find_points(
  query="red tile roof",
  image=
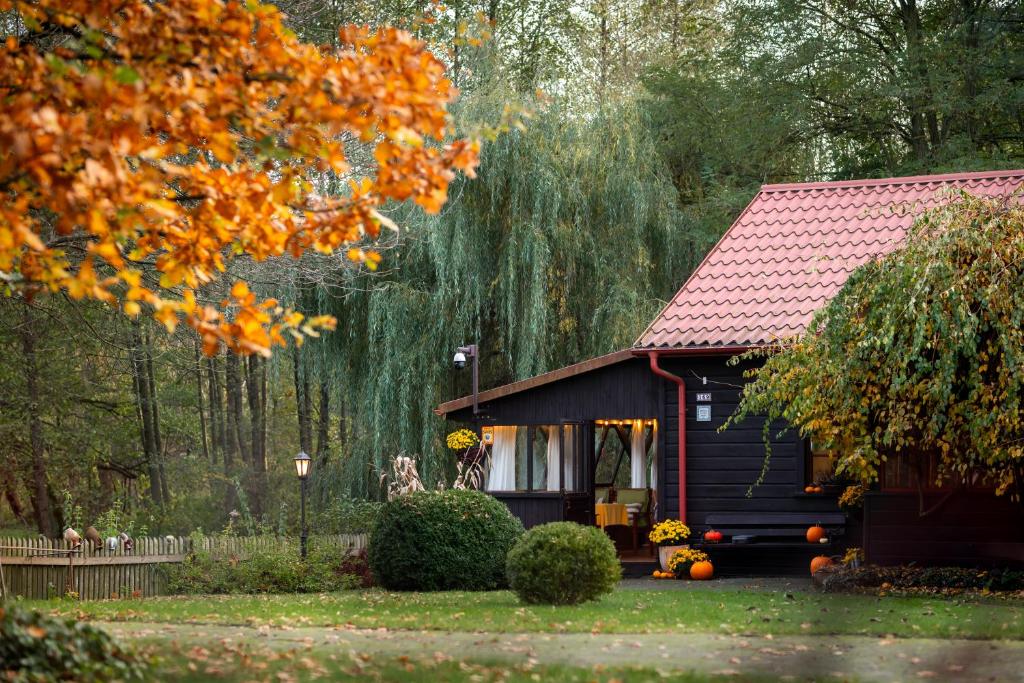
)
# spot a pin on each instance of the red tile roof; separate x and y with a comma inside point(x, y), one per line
point(792, 248)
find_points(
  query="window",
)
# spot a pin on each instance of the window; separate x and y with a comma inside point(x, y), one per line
point(903, 471)
point(528, 458)
point(540, 460)
point(820, 466)
point(625, 451)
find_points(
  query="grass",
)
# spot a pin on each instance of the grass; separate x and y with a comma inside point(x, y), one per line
point(228, 663)
point(624, 611)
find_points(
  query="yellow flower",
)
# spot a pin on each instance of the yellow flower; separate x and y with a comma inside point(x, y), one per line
point(669, 532)
point(462, 439)
point(853, 496)
point(681, 560)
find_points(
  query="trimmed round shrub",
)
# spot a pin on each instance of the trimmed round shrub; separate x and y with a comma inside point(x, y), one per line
point(39, 648)
point(442, 540)
point(563, 563)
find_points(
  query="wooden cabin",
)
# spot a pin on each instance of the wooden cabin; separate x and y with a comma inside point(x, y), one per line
point(644, 422)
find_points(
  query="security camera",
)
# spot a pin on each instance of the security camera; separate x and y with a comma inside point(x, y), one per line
point(459, 360)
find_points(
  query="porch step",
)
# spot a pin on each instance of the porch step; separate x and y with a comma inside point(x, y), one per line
point(633, 567)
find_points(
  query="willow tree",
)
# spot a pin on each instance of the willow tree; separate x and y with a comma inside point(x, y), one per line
point(919, 356)
point(562, 248)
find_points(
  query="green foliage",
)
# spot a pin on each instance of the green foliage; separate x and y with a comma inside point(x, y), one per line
point(563, 563)
point(38, 648)
point(442, 540)
point(659, 123)
point(879, 88)
point(345, 515)
point(924, 578)
point(528, 257)
point(919, 354)
point(115, 520)
point(278, 570)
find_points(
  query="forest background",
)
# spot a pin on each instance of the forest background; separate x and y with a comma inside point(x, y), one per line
point(642, 130)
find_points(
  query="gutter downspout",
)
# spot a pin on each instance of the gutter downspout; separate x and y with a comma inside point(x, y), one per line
point(653, 355)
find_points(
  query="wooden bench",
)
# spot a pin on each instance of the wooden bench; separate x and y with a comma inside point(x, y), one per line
point(775, 529)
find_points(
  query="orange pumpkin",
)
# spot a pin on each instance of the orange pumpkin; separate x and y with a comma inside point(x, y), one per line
point(702, 571)
point(819, 562)
point(815, 534)
point(808, 489)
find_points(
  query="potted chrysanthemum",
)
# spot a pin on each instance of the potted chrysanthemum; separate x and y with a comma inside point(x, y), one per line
point(466, 445)
point(682, 560)
point(670, 536)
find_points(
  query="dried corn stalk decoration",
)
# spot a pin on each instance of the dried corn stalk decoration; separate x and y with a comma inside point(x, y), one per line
point(404, 477)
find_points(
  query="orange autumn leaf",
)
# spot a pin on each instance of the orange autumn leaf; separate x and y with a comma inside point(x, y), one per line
point(94, 131)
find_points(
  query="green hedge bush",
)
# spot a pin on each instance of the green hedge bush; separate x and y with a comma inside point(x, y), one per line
point(345, 515)
point(442, 540)
point(38, 648)
point(923, 578)
point(563, 563)
point(278, 570)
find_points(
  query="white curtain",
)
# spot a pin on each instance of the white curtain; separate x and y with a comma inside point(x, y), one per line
point(638, 456)
point(502, 476)
point(570, 457)
point(554, 438)
point(654, 458)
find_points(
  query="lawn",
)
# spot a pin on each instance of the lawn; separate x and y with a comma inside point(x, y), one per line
point(245, 663)
point(624, 611)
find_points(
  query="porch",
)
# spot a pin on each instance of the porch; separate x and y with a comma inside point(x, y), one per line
point(601, 472)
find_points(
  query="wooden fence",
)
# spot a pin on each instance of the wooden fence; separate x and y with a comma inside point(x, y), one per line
point(40, 568)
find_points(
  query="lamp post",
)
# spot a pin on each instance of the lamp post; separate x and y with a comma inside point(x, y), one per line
point(461, 354)
point(302, 463)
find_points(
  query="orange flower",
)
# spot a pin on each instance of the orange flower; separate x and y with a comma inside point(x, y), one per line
point(99, 143)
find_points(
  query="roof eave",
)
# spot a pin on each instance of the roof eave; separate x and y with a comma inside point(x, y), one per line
point(535, 381)
point(723, 350)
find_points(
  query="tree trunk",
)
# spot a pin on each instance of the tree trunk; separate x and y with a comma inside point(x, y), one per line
point(145, 414)
point(923, 121)
point(217, 429)
point(155, 407)
point(302, 403)
point(456, 56)
point(342, 421)
point(199, 402)
point(45, 522)
point(219, 420)
point(10, 491)
point(233, 380)
point(323, 422)
point(253, 389)
point(675, 28)
point(972, 30)
point(604, 65)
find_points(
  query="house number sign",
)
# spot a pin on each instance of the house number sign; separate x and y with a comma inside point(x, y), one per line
point(703, 413)
point(704, 397)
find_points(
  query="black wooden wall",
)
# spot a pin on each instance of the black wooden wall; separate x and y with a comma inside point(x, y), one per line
point(971, 529)
point(626, 389)
point(721, 467)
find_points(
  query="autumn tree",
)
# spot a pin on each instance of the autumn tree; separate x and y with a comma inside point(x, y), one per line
point(918, 357)
point(143, 146)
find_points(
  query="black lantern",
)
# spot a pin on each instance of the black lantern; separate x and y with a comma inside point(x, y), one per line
point(302, 465)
